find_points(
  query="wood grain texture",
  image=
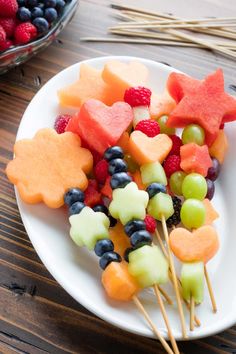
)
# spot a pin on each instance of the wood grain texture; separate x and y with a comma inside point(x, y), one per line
point(36, 314)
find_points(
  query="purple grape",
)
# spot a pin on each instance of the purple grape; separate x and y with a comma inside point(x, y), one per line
point(210, 189)
point(214, 171)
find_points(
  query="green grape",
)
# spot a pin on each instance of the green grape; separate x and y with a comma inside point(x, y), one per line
point(132, 165)
point(175, 181)
point(163, 127)
point(193, 213)
point(194, 186)
point(193, 133)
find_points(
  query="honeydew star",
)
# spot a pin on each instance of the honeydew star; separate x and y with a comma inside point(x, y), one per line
point(88, 227)
point(128, 203)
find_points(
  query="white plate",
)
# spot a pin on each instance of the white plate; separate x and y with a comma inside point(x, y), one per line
point(77, 270)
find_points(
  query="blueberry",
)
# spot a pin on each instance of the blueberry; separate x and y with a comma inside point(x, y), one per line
point(109, 257)
point(101, 208)
point(103, 246)
point(31, 3)
point(120, 180)
point(50, 14)
point(73, 195)
point(127, 252)
point(36, 12)
point(117, 165)
point(21, 3)
point(155, 188)
point(41, 24)
point(50, 3)
point(60, 5)
point(210, 189)
point(114, 152)
point(23, 14)
point(140, 238)
point(76, 208)
point(133, 226)
point(113, 221)
point(41, 6)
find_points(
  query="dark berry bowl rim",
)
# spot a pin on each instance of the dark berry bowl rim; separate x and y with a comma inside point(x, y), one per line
point(31, 48)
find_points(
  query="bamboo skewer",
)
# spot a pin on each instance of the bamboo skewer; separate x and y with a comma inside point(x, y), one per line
point(192, 307)
point(210, 290)
point(165, 295)
point(163, 311)
point(174, 278)
point(163, 26)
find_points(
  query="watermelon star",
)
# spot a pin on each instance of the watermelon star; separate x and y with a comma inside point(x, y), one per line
point(88, 227)
point(202, 102)
point(128, 203)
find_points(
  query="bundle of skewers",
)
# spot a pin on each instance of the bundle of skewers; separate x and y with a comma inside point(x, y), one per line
point(140, 26)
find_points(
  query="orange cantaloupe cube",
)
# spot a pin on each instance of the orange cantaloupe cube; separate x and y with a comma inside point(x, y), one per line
point(119, 238)
point(211, 213)
point(219, 147)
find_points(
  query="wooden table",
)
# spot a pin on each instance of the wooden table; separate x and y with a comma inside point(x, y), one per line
point(36, 314)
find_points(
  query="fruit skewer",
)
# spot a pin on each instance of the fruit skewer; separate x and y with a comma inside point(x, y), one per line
point(128, 204)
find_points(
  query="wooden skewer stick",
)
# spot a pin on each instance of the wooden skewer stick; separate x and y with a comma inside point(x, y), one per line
point(164, 314)
point(210, 290)
point(151, 24)
point(165, 295)
point(192, 307)
point(174, 278)
point(197, 321)
point(152, 325)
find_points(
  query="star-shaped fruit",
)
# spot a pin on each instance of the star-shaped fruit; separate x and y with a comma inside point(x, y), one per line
point(49, 164)
point(128, 203)
point(88, 227)
point(202, 102)
point(89, 85)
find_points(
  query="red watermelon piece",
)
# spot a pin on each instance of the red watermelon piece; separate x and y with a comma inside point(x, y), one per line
point(72, 125)
point(102, 126)
point(195, 158)
point(201, 102)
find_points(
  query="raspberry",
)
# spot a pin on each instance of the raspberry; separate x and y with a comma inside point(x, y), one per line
point(151, 224)
point(177, 143)
point(2, 35)
point(138, 96)
point(5, 45)
point(9, 25)
point(101, 171)
point(92, 196)
point(175, 218)
point(172, 164)
point(61, 123)
point(8, 8)
point(149, 127)
point(25, 32)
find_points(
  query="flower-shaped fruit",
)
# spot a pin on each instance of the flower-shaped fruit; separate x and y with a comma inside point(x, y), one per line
point(45, 167)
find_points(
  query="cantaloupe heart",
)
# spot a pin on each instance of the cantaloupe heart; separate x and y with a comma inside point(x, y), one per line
point(199, 245)
point(145, 149)
point(102, 126)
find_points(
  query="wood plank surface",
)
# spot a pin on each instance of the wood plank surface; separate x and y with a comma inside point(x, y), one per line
point(36, 314)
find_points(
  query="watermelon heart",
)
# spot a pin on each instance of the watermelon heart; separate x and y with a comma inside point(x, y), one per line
point(199, 245)
point(102, 126)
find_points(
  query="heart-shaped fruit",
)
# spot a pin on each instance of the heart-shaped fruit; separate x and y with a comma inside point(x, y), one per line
point(101, 126)
point(199, 245)
point(144, 149)
point(121, 76)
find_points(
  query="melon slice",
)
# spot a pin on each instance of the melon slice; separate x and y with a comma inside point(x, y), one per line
point(220, 147)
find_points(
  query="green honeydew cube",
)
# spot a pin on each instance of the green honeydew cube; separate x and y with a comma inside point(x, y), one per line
point(88, 227)
point(192, 280)
point(153, 172)
point(161, 204)
point(148, 265)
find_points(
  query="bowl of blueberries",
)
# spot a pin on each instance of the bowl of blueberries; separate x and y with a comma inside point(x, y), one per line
point(29, 26)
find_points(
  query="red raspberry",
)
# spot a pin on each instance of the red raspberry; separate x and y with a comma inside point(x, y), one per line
point(101, 171)
point(177, 143)
point(92, 196)
point(138, 96)
point(172, 164)
point(149, 127)
point(5, 45)
point(2, 35)
point(61, 123)
point(151, 224)
point(25, 32)
point(9, 25)
point(8, 8)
